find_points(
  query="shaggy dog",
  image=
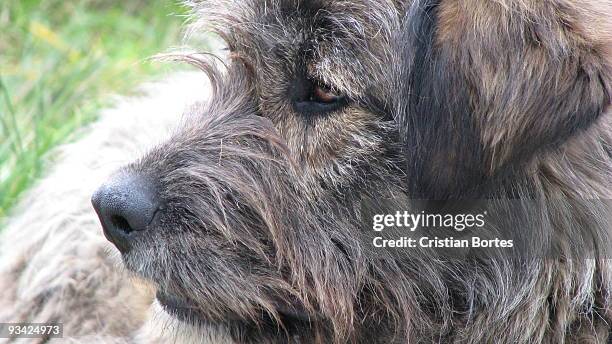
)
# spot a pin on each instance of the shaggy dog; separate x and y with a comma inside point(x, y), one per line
point(253, 222)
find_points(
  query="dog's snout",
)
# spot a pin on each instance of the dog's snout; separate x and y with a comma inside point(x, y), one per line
point(126, 206)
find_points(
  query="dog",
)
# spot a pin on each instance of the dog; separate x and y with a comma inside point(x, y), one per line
point(250, 223)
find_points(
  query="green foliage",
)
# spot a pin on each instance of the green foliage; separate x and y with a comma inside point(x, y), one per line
point(60, 62)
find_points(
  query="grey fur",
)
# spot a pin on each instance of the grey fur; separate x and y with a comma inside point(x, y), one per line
point(262, 227)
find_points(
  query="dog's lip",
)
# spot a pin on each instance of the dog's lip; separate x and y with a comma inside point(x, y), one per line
point(188, 311)
point(180, 308)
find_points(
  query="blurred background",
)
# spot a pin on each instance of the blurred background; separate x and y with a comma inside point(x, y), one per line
point(61, 61)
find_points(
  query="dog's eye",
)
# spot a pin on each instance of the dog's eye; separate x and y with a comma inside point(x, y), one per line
point(317, 98)
point(323, 94)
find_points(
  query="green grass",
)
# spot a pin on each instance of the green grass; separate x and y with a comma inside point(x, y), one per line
point(60, 63)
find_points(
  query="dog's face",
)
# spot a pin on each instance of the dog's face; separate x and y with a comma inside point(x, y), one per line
point(256, 194)
point(249, 217)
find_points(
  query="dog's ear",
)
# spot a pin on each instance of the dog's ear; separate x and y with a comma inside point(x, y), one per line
point(487, 85)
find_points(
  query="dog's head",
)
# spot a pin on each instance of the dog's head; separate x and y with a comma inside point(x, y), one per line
point(249, 217)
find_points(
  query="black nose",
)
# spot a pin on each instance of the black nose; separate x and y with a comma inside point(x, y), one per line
point(126, 206)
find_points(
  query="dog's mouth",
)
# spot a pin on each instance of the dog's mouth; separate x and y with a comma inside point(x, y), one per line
point(189, 312)
point(180, 308)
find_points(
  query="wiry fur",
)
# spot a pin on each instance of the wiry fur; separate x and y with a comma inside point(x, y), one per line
point(261, 231)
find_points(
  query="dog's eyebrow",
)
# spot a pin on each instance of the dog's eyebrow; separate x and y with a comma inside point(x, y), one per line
point(327, 77)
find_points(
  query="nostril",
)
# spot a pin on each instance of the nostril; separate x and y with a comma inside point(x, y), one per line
point(126, 204)
point(121, 224)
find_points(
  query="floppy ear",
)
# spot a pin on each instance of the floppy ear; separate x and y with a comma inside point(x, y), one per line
point(489, 84)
